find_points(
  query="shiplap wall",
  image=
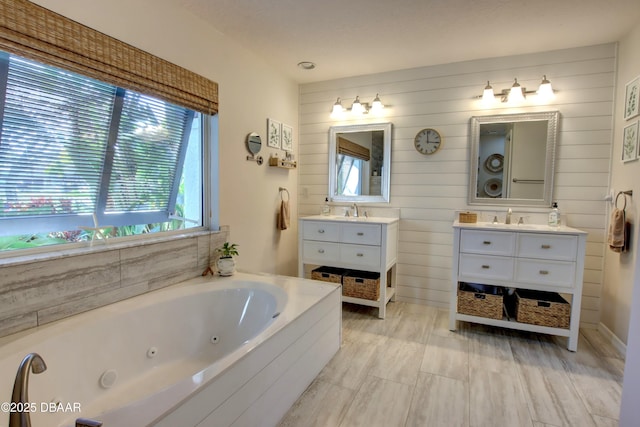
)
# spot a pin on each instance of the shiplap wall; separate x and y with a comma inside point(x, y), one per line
point(430, 189)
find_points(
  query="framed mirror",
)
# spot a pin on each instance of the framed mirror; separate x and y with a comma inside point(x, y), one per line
point(512, 159)
point(360, 163)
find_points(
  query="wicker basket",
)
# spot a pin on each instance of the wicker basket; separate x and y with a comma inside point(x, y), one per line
point(480, 300)
point(468, 217)
point(542, 308)
point(361, 284)
point(328, 274)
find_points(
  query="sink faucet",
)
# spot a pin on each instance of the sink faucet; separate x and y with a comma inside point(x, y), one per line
point(508, 218)
point(33, 362)
point(355, 210)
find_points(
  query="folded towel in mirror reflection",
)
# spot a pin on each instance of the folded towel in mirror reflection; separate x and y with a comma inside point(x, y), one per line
point(283, 215)
point(618, 231)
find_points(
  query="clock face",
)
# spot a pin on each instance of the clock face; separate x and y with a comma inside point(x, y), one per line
point(427, 141)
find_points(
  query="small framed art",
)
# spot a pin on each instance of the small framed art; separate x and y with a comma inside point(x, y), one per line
point(274, 133)
point(287, 138)
point(630, 142)
point(631, 95)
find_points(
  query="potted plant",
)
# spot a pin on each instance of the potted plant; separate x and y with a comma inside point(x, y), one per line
point(226, 264)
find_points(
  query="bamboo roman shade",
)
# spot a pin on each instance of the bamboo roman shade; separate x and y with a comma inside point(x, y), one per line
point(32, 31)
point(352, 149)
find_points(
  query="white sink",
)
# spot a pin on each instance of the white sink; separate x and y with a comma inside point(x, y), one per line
point(537, 227)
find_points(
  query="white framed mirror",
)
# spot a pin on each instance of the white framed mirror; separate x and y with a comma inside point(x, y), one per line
point(512, 159)
point(360, 163)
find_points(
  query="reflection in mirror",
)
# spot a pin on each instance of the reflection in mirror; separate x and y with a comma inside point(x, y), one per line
point(512, 159)
point(359, 162)
point(254, 143)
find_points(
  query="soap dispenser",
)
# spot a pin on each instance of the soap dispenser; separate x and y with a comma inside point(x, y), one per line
point(554, 216)
point(326, 209)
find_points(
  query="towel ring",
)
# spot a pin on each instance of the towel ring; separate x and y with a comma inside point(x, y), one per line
point(622, 193)
point(284, 190)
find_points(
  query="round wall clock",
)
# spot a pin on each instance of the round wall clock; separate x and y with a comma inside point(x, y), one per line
point(427, 141)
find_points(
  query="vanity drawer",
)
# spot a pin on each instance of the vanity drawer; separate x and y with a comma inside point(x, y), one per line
point(475, 268)
point(320, 252)
point(547, 246)
point(552, 273)
point(488, 242)
point(321, 230)
point(360, 255)
point(362, 234)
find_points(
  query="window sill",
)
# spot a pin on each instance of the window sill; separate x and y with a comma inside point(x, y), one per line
point(27, 256)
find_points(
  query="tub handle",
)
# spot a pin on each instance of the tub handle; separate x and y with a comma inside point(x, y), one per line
point(85, 422)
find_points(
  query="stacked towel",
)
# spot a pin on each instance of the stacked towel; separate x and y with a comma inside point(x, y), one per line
point(617, 228)
point(283, 215)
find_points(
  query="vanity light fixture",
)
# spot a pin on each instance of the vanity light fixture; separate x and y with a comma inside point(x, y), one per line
point(517, 94)
point(358, 108)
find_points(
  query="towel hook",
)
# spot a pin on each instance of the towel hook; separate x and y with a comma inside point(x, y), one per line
point(624, 194)
point(284, 190)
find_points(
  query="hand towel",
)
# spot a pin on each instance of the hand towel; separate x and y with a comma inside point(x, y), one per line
point(283, 215)
point(616, 238)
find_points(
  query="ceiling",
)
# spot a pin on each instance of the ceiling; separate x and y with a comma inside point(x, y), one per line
point(354, 37)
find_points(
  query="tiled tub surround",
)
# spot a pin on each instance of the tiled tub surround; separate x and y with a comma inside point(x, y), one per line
point(46, 287)
point(209, 351)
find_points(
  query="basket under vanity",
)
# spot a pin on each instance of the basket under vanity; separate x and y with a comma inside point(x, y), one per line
point(365, 244)
point(528, 257)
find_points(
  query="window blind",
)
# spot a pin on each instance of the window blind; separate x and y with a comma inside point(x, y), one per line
point(54, 135)
point(73, 149)
point(31, 31)
point(350, 148)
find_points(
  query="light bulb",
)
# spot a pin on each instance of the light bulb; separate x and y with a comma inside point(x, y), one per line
point(545, 91)
point(488, 97)
point(377, 106)
point(356, 108)
point(515, 94)
point(337, 110)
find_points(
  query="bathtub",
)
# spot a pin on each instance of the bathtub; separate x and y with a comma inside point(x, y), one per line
point(207, 352)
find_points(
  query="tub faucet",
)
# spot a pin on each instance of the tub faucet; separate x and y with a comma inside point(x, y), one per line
point(508, 218)
point(33, 362)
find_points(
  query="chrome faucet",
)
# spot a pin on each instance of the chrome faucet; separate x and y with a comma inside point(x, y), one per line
point(508, 218)
point(355, 210)
point(33, 362)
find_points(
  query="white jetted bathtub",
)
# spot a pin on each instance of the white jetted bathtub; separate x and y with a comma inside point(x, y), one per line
point(208, 352)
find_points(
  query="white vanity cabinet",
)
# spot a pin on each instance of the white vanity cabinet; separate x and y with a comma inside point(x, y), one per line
point(523, 257)
point(365, 244)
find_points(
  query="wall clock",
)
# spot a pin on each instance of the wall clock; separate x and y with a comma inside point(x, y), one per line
point(427, 141)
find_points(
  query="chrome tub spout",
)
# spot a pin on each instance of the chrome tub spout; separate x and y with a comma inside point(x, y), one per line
point(33, 362)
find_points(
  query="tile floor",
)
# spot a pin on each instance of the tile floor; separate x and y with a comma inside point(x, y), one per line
point(410, 370)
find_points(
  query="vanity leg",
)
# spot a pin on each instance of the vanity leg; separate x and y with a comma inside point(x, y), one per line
point(382, 307)
point(452, 321)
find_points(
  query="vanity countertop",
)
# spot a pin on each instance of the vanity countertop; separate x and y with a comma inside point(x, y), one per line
point(359, 219)
point(537, 228)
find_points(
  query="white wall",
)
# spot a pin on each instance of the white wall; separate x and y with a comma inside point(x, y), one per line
point(620, 268)
point(621, 300)
point(250, 92)
point(428, 189)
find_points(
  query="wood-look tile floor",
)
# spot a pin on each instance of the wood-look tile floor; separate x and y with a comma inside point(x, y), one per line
point(410, 370)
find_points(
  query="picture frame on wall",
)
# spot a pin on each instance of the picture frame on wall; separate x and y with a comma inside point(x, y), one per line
point(287, 138)
point(274, 133)
point(632, 99)
point(630, 142)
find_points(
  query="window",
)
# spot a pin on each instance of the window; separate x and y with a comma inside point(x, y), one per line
point(76, 151)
